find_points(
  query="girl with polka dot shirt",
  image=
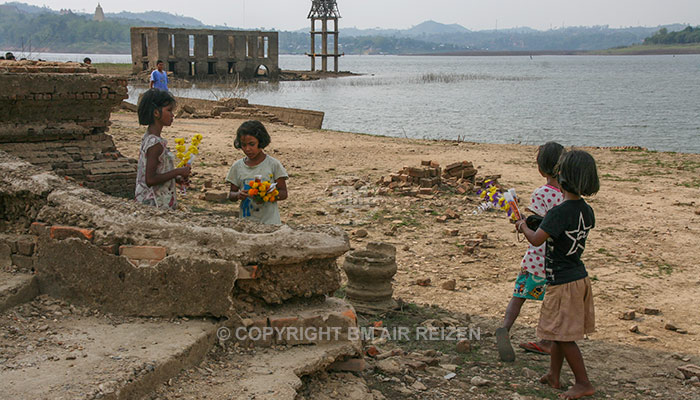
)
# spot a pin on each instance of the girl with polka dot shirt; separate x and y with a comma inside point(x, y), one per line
point(531, 281)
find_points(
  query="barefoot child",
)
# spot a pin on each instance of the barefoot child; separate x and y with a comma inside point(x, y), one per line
point(252, 138)
point(531, 282)
point(155, 173)
point(567, 312)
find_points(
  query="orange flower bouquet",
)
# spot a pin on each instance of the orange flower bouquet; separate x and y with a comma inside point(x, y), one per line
point(262, 191)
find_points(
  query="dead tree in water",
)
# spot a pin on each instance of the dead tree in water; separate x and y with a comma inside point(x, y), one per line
point(324, 10)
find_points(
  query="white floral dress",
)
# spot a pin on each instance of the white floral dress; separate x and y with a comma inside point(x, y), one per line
point(163, 195)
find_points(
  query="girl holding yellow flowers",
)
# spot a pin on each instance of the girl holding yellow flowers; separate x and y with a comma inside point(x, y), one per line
point(156, 173)
point(258, 180)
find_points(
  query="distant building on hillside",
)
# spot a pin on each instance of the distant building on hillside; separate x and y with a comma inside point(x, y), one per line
point(99, 14)
point(206, 53)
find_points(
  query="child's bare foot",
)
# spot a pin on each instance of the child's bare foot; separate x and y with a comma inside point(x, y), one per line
point(577, 391)
point(550, 380)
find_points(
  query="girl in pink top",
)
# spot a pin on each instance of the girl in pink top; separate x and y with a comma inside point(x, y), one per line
point(531, 281)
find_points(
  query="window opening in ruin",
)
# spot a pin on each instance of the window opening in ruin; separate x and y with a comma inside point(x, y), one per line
point(266, 47)
point(210, 45)
point(171, 40)
point(171, 65)
point(260, 47)
point(211, 67)
point(231, 46)
point(191, 45)
point(247, 48)
point(145, 66)
point(261, 70)
point(144, 45)
point(231, 67)
point(192, 68)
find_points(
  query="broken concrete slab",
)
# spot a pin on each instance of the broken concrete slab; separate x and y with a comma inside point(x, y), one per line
point(316, 321)
point(175, 286)
point(17, 288)
point(270, 374)
point(81, 357)
point(292, 262)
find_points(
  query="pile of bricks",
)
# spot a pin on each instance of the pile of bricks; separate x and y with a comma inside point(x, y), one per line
point(57, 116)
point(411, 181)
point(429, 177)
point(461, 176)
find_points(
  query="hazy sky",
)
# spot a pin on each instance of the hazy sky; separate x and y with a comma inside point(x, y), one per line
point(472, 14)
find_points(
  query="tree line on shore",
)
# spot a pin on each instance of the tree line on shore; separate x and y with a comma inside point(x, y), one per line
point(686, 36)
point(48, 31)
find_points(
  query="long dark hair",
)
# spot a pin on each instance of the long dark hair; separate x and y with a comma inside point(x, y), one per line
point(151, 101)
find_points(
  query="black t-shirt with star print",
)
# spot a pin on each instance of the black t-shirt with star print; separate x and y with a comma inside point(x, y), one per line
point(568, 225)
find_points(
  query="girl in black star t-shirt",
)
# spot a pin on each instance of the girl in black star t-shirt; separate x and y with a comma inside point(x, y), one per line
point(567, 312)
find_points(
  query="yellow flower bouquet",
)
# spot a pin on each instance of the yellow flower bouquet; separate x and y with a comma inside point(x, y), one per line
point(186, 154)
point(262, 191)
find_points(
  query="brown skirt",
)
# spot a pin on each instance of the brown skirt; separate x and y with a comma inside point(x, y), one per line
point(567, 312)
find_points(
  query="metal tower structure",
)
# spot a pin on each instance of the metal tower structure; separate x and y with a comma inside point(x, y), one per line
point(324, 11)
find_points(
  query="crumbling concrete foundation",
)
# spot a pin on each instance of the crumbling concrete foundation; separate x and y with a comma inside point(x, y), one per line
point(56, 115)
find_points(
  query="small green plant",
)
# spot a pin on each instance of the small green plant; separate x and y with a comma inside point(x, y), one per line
point(665, 269)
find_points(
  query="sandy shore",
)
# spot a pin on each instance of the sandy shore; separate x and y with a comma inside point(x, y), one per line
point(643, 252)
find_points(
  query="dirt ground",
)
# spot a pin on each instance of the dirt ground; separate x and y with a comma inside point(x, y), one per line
point(642, 253)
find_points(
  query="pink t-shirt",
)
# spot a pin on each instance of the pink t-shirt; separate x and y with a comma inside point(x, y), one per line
point(543, 199)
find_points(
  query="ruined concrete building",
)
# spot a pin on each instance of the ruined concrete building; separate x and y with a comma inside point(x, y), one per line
point(139, 295)
point(324, 11)
point(206, 53)
point(56, 115)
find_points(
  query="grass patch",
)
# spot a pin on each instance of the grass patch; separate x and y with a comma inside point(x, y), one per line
point(618, 179)
point(665, 269)
point(695, 183)
point(630, 150)
point(113, 68)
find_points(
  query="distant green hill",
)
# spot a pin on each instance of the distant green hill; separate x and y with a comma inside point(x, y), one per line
point(32, 29)
point(32, 32)
point(162, 18)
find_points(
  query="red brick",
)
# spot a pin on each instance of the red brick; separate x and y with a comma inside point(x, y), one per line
point(65, 232)
point(372, 351)
point(249, 272)
point(350, 314)
point(143, 252)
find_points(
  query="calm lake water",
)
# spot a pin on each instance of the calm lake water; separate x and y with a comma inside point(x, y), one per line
point(649, 101)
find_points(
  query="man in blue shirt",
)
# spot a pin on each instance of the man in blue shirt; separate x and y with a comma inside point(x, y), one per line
point(159, 78)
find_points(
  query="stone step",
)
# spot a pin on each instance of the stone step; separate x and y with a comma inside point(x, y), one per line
point(53, 350)
point(17, 288)
point(317, 321)
point(268, 374)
